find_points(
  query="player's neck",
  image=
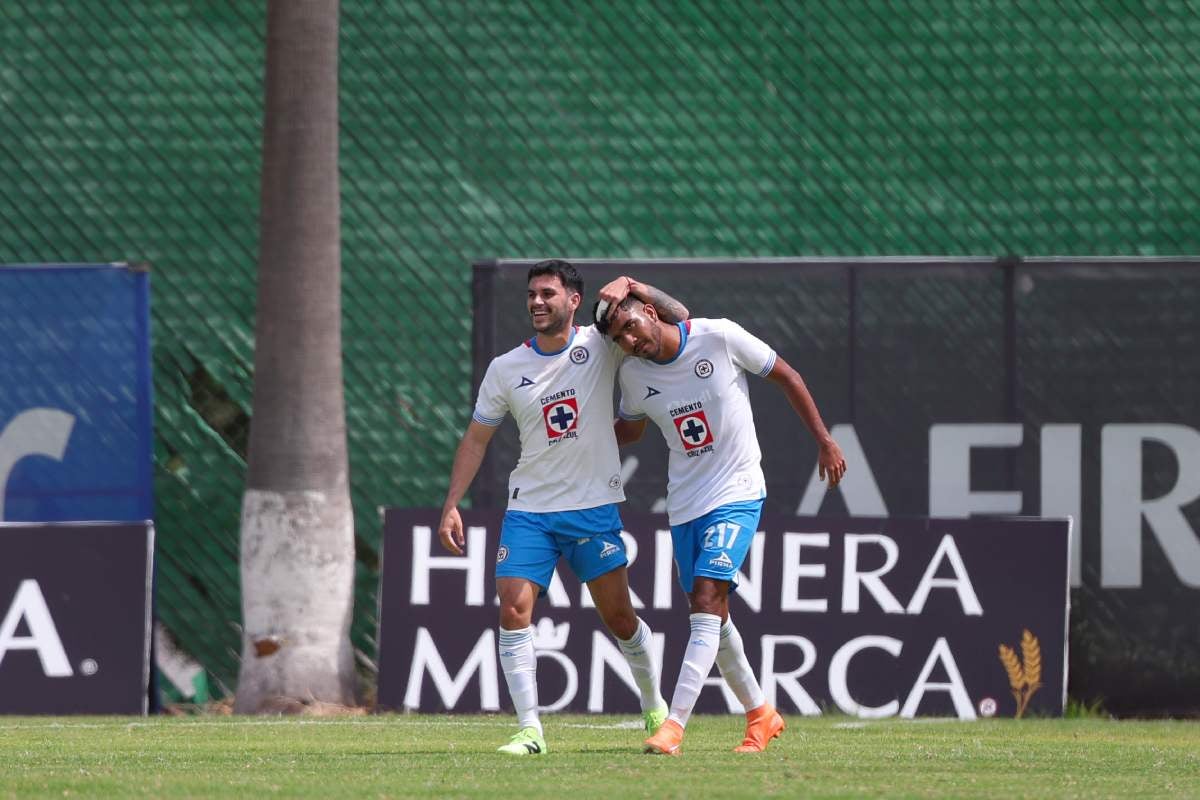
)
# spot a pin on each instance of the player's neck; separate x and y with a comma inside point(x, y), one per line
point(553, 342)
point(670, 342)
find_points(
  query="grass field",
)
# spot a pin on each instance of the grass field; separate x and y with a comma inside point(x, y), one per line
point(592, 756)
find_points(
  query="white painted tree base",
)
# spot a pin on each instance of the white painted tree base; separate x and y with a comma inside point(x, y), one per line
point(297, 599)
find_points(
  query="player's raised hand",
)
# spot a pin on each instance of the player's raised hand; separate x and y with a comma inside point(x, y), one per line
point(831, 463)
point(451, 531)
point(613, 293)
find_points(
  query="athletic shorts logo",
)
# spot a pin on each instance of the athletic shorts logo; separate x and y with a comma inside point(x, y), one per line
point(579, 355)
point(693, 430)
point(722, 560)
point(704, 368)
point(609, 549)
point(501, 554)
point(561, 417)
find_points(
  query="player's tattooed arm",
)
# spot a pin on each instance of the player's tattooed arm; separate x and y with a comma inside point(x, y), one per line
point(614, 292)
point(669, 309)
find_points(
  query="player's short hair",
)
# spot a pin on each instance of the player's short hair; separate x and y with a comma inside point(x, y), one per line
point(601, 317)
point(565, 271)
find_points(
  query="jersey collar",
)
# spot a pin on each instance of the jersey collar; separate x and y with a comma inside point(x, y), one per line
point(533, 343)
point(685, 328)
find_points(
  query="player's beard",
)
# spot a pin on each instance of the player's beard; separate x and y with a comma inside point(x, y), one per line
point(553, 322)
point(652, 348)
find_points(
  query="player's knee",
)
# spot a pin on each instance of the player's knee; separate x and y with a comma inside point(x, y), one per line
point(513, 617)
point(516, 610)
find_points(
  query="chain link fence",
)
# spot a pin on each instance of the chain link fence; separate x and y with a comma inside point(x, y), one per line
point(480, 128)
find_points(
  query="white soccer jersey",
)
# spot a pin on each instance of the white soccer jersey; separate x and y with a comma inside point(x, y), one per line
point(701, 403)
point(563, 405)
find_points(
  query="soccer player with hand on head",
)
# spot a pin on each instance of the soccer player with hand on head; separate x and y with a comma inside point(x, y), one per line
point(690, 379)
point(562, 494)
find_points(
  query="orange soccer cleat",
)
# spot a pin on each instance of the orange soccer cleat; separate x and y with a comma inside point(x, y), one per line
point(666, 740)
point(762, 725)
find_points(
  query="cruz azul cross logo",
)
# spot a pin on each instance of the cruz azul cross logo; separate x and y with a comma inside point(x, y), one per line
point(561, 418)
point(693, 430)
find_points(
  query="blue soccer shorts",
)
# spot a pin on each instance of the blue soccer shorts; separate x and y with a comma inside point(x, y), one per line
point(715, 545)
point(531, 544)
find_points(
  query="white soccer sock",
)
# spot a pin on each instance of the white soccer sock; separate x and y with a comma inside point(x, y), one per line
point(520, 673)
point(641, 662)
point(697, 663)
point(735, 668)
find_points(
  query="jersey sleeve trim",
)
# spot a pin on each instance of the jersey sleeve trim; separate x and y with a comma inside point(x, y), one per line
point(482, 420)
point(765, 371)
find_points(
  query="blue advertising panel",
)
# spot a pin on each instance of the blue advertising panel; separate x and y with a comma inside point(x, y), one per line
point(75, 393)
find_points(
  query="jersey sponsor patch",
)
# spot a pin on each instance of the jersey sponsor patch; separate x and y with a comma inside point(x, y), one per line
point(561, 418)
point(693, 430)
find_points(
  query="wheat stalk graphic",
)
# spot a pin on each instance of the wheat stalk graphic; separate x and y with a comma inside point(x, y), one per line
point(1024, 678)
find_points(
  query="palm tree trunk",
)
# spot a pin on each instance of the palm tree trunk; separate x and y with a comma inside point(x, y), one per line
point(297, 528)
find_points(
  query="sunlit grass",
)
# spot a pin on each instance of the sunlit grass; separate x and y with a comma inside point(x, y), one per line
point(593, 756)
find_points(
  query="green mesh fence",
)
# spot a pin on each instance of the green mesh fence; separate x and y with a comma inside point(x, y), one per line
point(477, 128)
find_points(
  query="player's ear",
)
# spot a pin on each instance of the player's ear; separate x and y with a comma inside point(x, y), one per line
point(651, 312)
point(574, 298)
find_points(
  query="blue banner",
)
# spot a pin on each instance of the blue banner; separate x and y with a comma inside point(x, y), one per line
point(75, 393)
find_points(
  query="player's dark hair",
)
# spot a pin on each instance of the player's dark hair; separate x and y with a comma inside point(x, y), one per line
point(603, 323)
point(565, 271)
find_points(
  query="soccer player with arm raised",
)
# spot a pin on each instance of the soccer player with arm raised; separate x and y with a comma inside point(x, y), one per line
point(564, 490)
point(690, 379)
